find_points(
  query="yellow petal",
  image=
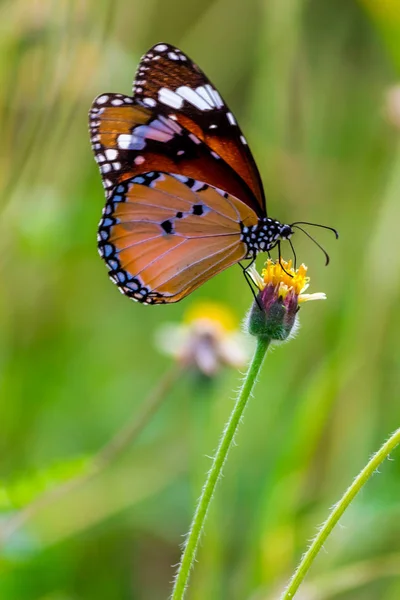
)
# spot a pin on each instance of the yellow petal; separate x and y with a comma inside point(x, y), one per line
point(215, 312)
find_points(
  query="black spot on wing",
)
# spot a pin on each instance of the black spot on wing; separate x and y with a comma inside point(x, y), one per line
point(167, 226)
point(198, 209)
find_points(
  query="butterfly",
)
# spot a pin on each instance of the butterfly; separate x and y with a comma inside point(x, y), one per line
point(184, 198)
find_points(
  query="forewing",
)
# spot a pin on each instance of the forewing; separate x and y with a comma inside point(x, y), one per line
point(163, 235)
point(167, 80)
point(129, 139)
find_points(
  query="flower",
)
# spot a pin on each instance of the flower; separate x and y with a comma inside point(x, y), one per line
point(274, 314)
point(392, 106)
point(207, 339)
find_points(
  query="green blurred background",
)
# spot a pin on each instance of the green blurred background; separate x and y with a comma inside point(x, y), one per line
point(311, 84)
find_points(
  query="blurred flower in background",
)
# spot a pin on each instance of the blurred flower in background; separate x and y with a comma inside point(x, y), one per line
point(392, 105)
point(207, 339)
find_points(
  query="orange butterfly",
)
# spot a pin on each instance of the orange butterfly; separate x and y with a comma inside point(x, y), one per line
point(184, 196)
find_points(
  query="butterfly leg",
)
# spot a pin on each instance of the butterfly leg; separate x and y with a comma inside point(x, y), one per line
point(294, 254)
point(280, 260)
point(249, 280)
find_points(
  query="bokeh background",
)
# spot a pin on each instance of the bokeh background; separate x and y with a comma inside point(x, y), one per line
point(312, 84)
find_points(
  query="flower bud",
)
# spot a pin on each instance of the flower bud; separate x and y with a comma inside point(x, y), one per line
point(274, 312)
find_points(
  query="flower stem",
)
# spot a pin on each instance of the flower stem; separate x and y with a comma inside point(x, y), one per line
point(337, 512)
point(196, 528)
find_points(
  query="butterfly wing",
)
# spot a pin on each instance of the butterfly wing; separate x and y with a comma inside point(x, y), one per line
point(168, 81)
point(162, 235)
point(129, 139)
point(164, 230)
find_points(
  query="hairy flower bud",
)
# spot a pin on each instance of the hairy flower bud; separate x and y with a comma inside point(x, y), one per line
point(274, 312)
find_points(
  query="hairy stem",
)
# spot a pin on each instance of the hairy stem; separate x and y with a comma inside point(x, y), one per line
point(337, 512)
point(196, 528)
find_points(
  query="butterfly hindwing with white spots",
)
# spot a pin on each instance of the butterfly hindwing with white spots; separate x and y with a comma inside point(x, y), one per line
point(168, 81)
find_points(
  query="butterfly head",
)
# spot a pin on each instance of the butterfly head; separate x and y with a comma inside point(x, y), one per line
point(286, 232)
point(270, 233)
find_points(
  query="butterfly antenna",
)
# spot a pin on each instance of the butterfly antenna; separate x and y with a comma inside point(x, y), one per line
point(315, 241)
point(317, 225)
point(294, 253)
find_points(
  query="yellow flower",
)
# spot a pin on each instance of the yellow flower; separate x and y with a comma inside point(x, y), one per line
point(213, 313)
point(281, 291)
point(207, 339)
point(286, 279)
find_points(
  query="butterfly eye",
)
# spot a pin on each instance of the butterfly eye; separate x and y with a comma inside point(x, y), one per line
point(286, 232)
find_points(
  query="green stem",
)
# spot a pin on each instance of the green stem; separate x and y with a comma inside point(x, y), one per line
point(196, 528)
point(337, 512)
